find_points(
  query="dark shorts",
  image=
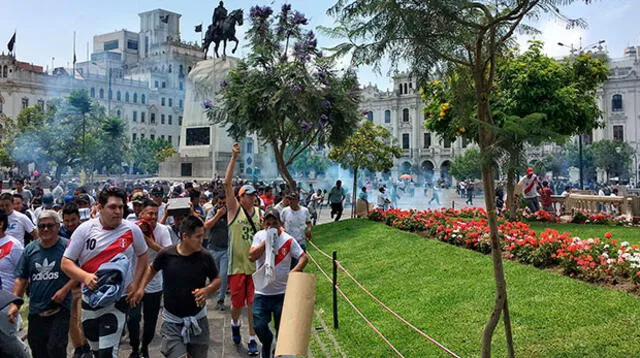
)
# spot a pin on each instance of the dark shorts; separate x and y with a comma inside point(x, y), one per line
point(174, 347)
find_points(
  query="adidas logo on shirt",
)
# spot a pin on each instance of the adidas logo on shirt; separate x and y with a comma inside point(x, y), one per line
point(44, 271)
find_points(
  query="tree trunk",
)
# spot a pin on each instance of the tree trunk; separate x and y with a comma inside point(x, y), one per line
point(282, 168)
point(353, 195)
point(486, 139)
point(511, 192)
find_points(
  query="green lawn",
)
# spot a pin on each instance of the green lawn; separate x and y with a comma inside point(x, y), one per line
point(448, 292)
point(585, 231)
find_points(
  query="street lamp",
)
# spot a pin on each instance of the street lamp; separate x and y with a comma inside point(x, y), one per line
point(572, 53)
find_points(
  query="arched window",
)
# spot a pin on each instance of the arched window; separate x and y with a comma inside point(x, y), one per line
point(135, 98)
point(110, 94)
point(93, 92)
point(170, 68)
point(387, 116)
point(616, 103)
point(4, 71)
point(101, 93)
point(401, 88)
point(405, 115)
point(143, 99)
point(405, 89)
point(118, 96)
point(126, 97)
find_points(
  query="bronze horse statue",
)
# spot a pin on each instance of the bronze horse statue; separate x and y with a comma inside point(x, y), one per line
point(227, 32)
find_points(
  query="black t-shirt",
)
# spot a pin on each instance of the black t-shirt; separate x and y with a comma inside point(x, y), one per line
point(181, 275)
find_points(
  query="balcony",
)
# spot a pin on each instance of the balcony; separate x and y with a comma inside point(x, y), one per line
point(430, 151)
point(446, 151)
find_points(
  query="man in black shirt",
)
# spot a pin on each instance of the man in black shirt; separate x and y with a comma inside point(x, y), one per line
point(185, 269)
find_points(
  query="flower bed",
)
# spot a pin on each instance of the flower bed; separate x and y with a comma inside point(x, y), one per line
point(592, 259)
point(600, 218)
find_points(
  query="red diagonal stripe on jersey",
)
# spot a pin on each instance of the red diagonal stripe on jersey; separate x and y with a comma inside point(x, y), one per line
point(5, 249)
point(117, 246)
point(283, 251)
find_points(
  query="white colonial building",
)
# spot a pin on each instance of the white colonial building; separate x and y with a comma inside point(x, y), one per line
point(138, 76)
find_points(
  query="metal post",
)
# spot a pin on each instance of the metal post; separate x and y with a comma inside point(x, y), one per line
point(580, 162)
point(335, 290)
point(453, 204)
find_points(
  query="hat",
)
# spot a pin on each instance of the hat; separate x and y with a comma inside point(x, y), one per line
point(529, 170)
point(157, 192)
point(6, 298)
point(47, 200)
point(246, 189)
point(137, 198)
point(68, 198)
point(272, 212)
point(83, 198)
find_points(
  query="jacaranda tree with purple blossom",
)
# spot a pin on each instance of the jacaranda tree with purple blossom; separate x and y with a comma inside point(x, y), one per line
point(286, 92)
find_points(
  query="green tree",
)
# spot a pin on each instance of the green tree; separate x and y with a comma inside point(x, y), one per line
point(286, 91)
point(612, 156)
point(148, 153)
point(466, 165)
point(466, 33)
point(368, 148)
point(572, 153)
point(114, 144)
point(310, 160)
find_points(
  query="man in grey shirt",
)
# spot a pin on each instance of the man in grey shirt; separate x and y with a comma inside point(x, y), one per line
point(218, 236)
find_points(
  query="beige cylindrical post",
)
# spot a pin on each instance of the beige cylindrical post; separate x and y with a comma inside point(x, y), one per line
point(297, 315)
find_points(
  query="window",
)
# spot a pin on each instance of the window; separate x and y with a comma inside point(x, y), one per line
point(118, 96)
point(135, 98)
point(126, 97)
point(142, 115)
point(133, 137)
point(93, 92)
point(405, 141)
point(170, 102)
point(156, 84)
point(118, 113)
point(153, 137)
point(180, 103)
point(170, 120)
point(111, 45)
point(162, 137)
point(135, 116)
point(162, 101)
point(447, 143)
point(162, 119)
point(387, 116)
point(143, 99)
point(25, 103)
point(101, 93)
point(198, 136)
point(426, 140)
point(616, 103)
point(152, 118)
point(401, 88)
point(405, 115)
point(179, 120)
point(618, 133)
point(132, 44)
point(181, 69)
point(170, 68)
point(164, 84)
point(405, 89)
point(110, 94)
point(180, 86)
point(4, 71)
point(186, 169)
point(41, 103)
point(141, 135)
point(370, 116)
point(170, 139)
point(249, 147)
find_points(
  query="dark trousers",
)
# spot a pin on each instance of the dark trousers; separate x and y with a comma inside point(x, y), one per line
point(148, 310)
point(336, 209)
point(48, 336)
point(263, 308)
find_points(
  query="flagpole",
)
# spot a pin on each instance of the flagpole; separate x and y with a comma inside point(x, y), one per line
point(73, 74)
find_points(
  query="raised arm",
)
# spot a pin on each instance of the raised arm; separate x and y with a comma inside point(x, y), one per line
point(232, 202)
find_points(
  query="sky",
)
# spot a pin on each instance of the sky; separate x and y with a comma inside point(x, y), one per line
point(45, 27)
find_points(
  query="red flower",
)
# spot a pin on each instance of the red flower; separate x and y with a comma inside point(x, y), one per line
point(608, 235)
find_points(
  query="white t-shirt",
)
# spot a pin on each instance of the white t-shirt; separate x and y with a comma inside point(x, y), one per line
point(295, 222)
point(92, 245)
point(10, 252)
point(163, 238)
point(287, 247)
point(19, 223)
point(531, 183)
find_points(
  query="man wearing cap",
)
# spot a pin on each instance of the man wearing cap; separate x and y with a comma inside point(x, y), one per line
point(243, 219)
point(273, 251)
point(49, 298)
point(47, 204)
point(530, 185)
point(218, 233)
point(19, 223)
point(137, 199)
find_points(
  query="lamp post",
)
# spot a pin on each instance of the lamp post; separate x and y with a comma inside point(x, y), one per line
point(572, 53)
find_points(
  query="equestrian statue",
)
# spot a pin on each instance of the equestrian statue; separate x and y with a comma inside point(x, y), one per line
point(222, 29)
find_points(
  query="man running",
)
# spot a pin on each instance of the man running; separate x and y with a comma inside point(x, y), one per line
point(157, 237)
point(530, 185)
point(336, 199)
point(19, 223)
point(50, 288)
point(273, 251)
point(185, 268)
point(243, 219)
point(93, 244)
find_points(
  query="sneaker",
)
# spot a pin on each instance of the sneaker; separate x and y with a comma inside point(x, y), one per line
point(253, 348)
point(235, 334)
point(220, 306)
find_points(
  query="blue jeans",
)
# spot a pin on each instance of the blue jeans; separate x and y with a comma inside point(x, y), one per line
point(263, 308)
point(221, 257)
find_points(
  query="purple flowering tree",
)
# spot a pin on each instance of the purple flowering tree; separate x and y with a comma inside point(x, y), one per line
point(286, 92)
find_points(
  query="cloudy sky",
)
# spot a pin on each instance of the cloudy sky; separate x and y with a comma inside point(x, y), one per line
point(45, 27)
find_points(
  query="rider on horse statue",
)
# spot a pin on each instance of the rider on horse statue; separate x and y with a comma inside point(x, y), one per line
point(219, 14)
point(222, 29)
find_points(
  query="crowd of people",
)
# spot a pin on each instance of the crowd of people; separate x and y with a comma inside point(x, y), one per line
point(95, 265)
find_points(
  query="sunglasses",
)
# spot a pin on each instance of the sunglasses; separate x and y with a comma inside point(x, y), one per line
point(46, 226)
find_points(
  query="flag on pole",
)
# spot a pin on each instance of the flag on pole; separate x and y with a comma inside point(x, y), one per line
point(12, 42)
point(74, 58)
point(199, 28)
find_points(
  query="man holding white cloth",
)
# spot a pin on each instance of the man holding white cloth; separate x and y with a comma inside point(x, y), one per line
point(272, 250)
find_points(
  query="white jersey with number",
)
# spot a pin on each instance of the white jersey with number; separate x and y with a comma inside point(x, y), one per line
point(162, 235)
point(92, 245)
